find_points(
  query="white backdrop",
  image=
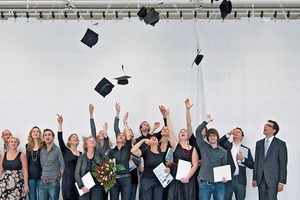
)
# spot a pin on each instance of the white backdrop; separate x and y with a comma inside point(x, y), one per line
point(249, 74)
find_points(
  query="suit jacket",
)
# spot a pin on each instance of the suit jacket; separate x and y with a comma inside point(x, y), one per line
point(223, 142)
point(274, 166)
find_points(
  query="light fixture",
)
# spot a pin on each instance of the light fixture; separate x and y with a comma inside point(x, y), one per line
point(91, 15)
point(249, 14)
point(180, 14)
point(235, 14)
point(15, 15)
point(27, 15)
point(103, 15)
point(207, 14)
point(261, 14)
point(288, 14)
point(129, 14)
point(53, 14)
point(78, 15)
point(275, 14)
point(41, 15)
point(66, 14)
point(195, 14)
point(2, 15)
point(168, 14)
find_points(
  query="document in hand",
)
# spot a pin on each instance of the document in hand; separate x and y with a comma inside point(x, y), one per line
point(183, 169)
point(222, 171)
point(169, 156)
point(164, 178)
point(88, 182)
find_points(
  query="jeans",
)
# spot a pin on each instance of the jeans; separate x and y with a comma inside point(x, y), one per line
point(234, 186)
point(215, 189)
point(133, 192)
point(151, 189)
point(33, 189)
point(123, 185)
point(49, 191)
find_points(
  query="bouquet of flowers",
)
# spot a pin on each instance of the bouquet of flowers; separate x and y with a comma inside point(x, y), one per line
point(106, 173)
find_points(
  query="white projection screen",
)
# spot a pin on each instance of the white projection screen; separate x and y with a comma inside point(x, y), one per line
point(250, 73)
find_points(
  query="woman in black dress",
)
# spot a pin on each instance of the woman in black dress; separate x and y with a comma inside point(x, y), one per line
point(184, 188)
point(71, 155)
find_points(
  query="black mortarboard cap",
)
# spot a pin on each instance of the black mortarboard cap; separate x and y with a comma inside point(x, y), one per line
point(90, 38)
point(142, 13)
point(198, 58)
point(104, 87)
point(152, 17)
point(225, 8)
point(123, 80)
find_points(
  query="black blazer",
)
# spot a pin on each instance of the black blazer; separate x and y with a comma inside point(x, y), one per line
point(223, 142)
point(274, 166)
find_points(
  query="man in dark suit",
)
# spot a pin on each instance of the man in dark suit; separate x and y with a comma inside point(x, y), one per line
point(238, 157)
point(270, 167)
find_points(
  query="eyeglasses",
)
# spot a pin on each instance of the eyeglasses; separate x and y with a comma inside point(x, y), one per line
point(269, 125)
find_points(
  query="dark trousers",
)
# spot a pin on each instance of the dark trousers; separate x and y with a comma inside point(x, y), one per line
point(265, 192)
point(122, 186)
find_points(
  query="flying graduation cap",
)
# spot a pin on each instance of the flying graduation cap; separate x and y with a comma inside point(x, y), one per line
point(198, 58)
point(225, 8)
point(123, 80)
point(90, 38)
point(104, 87)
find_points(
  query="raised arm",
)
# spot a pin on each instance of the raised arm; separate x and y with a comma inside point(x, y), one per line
point(199, 136)
point(117, 118)
point(61, 142)
point(127, 132)
point(172, 138)
point(188, 106)
point(135, 150)
point(92, 122)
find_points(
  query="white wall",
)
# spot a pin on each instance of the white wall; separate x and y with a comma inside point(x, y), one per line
point(249, 74)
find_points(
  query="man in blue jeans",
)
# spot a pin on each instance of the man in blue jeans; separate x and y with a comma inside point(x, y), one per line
point(212, 156)
point(53, 166)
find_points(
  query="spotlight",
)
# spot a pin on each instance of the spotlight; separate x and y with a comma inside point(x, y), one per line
point(91, 15)
point(149, 15)
point(249, 14)
point(2, 15)
point(103, 14)
point(207, 14)
point(15, 14)
point(27, 15)
point(168, 14)
point(288, 14)
point(195, 14)
point(65, 14)
point(261, 14)
point(180, 14)
point(129, 14)
point(78, 15)
point(235, 14)
point(41, 15)
point(53, 14)
point(117, 15)
point(275, 14)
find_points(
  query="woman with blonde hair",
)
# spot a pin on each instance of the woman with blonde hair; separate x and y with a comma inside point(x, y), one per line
point(13, 172)
point(86, 163)
point(70, 155)
point(33, 150)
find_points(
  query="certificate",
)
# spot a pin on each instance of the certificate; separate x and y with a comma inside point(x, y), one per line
point(222, 171)
point(169, 156)
point(88, 182)
point(183, 169)
point(164, 178)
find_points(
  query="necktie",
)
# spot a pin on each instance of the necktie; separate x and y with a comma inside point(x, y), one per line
point(267, 146)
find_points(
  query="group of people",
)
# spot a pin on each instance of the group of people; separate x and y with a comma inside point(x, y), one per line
point(46, 168)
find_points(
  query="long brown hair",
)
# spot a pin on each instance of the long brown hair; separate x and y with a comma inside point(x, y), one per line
point(30, 144)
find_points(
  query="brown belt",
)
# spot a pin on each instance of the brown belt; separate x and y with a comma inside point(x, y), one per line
point(51, 180)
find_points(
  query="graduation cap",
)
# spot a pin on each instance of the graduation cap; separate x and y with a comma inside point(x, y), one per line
point(225, 8)
point(123, 80)
point(90, 38)
point(198, 58)
point(104, 87)
point(149, 15)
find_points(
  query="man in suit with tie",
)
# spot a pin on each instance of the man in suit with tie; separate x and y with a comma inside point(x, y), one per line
point(238, 157)
point(270, 167)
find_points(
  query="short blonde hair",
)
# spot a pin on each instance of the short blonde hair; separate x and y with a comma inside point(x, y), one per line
point(85, 139)
point(14, 138)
